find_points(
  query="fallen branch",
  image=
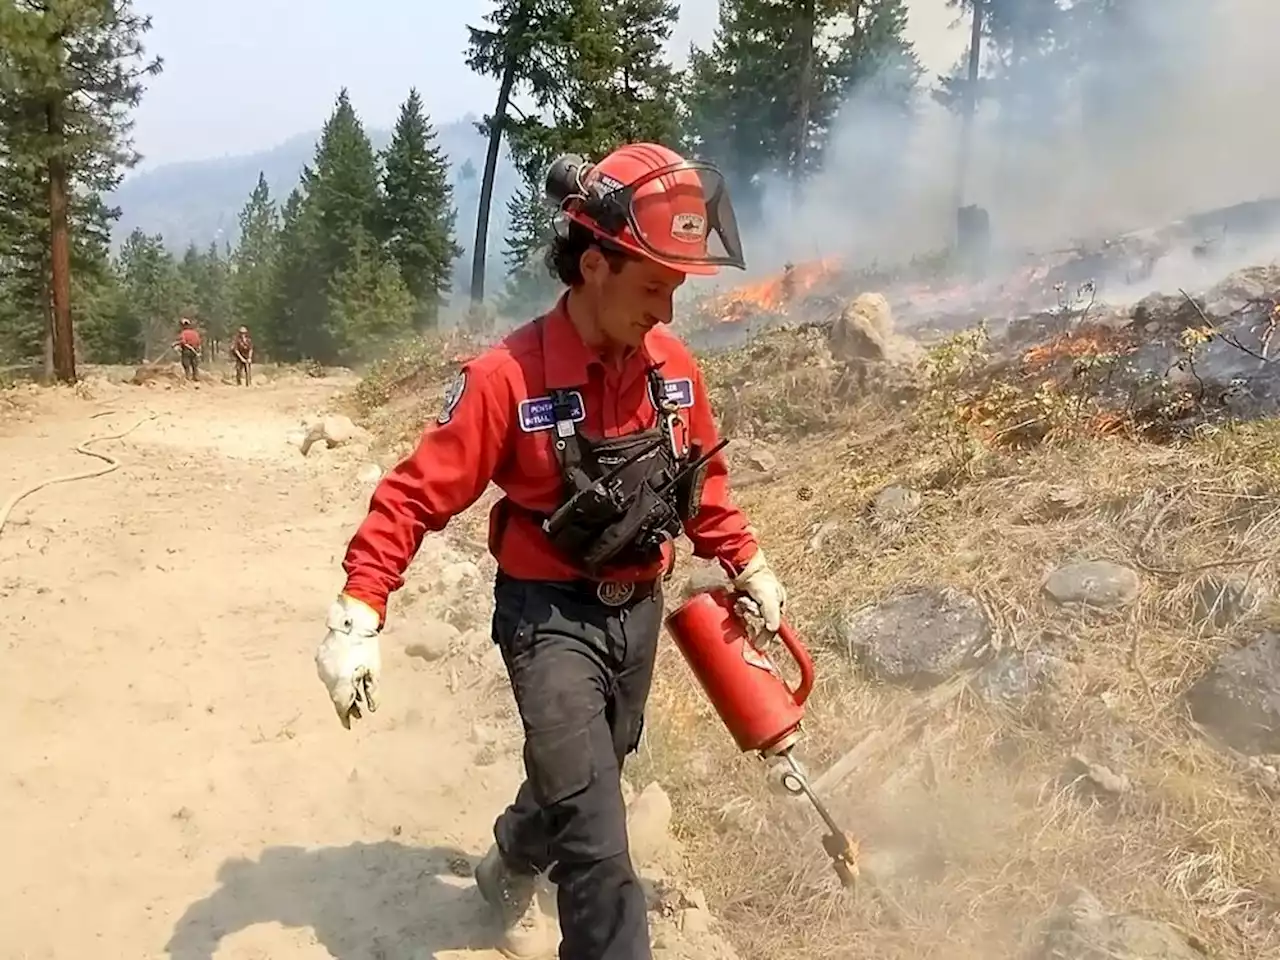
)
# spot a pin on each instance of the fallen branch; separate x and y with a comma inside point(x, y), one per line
point(81, 448)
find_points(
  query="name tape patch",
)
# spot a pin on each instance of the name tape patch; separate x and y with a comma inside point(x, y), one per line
point(681, 391)
point(536, 413)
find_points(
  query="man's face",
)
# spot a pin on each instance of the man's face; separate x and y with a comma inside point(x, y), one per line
point(634, 300)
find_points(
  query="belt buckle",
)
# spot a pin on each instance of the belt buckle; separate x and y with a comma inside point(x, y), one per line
point(613, 593)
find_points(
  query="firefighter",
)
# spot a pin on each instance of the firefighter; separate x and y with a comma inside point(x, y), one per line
point(242, 354)
point(188, 347)
point(597, 389)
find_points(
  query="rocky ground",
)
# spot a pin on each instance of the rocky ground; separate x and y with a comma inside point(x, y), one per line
point(176, 784)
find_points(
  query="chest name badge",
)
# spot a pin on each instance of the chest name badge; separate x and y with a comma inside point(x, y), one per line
point(536, 413)
point(680, 392)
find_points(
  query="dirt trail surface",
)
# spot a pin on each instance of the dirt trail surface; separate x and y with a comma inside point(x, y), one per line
point(175, 781)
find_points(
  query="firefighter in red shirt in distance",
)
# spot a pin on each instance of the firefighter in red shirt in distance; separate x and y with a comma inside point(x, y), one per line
point(188, 347)
point(595, 422)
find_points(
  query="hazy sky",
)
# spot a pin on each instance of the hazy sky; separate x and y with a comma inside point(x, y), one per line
point(243, 75)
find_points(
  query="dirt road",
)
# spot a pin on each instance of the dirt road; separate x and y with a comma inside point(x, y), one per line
point(175, 783)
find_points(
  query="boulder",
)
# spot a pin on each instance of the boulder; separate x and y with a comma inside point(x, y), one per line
point(1238, 700)
point(862, 330)
point(1082, 929)
point(919, 638)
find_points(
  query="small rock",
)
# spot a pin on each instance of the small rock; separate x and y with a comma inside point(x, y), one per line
point(1238, 700)
point(1225, 600)
point(369, 473)
point(648, 824)
point(335, 430)
point(1013, 679)
point(1061, 501)
point(694, 922)
point(482, 734)
point(435, 638)
point(1095, 583)
point(762, 459)
point(919, 638)
point(1101, 777)
point(1081, 929)
point(895, 503)
point(822, 534)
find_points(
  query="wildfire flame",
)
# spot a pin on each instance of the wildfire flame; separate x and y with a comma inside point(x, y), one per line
point(1085, 342)
point(774, 294)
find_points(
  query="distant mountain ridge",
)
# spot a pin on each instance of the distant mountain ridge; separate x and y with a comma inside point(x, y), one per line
point(200, 201)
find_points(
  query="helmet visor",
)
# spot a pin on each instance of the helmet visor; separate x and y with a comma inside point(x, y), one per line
point(682, 214)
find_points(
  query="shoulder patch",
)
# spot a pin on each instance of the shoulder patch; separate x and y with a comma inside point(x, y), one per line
point(452, 396)
point(681, 392)
point(536, 413)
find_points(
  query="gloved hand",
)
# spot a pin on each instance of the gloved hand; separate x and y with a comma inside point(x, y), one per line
point(763, 589)
point(348, 659)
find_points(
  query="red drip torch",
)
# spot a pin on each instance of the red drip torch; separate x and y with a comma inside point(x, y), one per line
point(762, 713)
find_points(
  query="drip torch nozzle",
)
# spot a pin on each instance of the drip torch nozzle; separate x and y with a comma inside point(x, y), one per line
point(839, 846)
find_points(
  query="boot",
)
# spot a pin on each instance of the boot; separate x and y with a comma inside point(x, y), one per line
point(525, 932)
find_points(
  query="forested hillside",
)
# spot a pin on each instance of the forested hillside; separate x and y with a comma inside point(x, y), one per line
point(339, 246)
point(199, 202)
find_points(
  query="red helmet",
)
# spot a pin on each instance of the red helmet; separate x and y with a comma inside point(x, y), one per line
point(648, 200)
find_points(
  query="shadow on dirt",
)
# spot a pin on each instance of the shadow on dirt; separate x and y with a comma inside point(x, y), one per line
point(367, 901)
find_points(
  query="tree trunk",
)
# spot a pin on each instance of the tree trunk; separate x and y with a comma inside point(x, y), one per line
point(970, 103)
point(49, 333)
point(804, 30)
point(479, 255)
point(64, 352)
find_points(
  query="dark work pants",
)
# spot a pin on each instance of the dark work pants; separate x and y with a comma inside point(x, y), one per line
point(190, 364)
point(581, 672)
point(245, 370)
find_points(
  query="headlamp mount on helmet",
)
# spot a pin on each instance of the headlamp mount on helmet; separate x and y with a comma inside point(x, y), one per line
point(623, 217)
point(603, 199)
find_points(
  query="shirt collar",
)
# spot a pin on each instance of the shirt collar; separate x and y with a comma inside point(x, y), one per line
point(568, 359)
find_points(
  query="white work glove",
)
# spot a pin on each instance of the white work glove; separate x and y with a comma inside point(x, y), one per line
point(348, 659)
point(765, 596)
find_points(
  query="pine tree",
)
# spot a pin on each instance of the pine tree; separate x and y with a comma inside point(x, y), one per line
point(299, 296)
point(70, 72)
point(342, 185)
point(417, 213)
point(529, 287)
point(254, 264)
point(368, 302)
point(523, 47)
point(154, 294)
point(762, 100)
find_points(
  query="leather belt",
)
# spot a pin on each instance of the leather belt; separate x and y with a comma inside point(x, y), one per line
point(618, 593)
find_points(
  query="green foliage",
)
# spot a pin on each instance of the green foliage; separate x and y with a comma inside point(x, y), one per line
point(417, 215)
point(368, 302)
point(253, 264)
point(530, 289)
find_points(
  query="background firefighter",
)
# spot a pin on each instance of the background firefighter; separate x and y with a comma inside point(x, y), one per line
point(242, 355)
point(188, 347)
point(598, 390)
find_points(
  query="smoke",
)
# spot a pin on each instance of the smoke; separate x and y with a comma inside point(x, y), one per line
point(1169, 113)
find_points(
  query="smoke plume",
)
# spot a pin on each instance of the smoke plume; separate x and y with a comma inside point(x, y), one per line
point(1170, 113)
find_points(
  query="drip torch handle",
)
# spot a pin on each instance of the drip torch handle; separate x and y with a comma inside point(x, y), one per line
point(801, 656)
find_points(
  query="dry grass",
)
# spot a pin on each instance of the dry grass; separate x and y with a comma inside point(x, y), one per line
point(967, 813)
point(969, 801)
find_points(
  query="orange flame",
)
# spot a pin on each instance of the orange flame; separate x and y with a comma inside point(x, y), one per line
point(1086, 342)
point(774, 294)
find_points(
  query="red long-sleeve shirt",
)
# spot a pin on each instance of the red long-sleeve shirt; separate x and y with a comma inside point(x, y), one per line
point(497, 426)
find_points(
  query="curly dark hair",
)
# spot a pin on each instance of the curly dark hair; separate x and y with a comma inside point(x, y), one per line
point(564, 256)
